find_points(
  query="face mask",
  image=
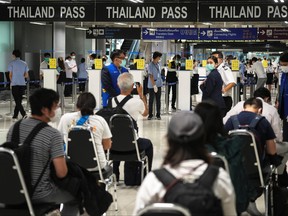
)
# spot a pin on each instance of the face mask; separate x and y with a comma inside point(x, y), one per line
point(46, 60)
point(209, 67)
point(123, 63)
point(73, 57)
point(57, 115)
point(284, 69)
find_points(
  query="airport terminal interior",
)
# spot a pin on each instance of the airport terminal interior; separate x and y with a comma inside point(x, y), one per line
point(188, 30)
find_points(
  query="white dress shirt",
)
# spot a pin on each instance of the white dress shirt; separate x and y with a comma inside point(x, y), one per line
point(227, 77)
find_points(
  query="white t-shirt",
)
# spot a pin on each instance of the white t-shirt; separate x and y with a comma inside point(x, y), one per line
point(227, 77)
point(153, 191)
point(102, 130)
point(259, 69)
point(43, 65)
point(135, 106)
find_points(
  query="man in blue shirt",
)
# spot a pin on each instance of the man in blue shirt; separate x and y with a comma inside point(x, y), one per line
point(154, 84)
point(283, 94)
point(18, 71)
point(109, 75)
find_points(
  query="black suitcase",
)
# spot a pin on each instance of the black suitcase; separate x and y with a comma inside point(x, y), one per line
point(132, 173)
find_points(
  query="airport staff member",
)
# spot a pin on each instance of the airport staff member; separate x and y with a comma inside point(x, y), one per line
point(283, 94)
point(227, 78)
point(109, 75)
point(18, 71)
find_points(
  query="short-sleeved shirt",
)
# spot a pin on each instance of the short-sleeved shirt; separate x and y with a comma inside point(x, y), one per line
point(227, 77)
point(259, 69)
point(263, 127)
point(82, 71)
point(47, 145)
point(155, 70)
point(18, 69)
point(102, 130)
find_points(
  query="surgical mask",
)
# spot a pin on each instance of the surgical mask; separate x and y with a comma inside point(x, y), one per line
point(46, 59)
point(57, 116)
point(284, 69)
point(123, 63)
point(210, 67)
point(73, 57)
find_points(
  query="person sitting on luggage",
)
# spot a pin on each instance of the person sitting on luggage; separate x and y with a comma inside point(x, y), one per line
point(86, 104)
point(187, 159)
point(135, 107)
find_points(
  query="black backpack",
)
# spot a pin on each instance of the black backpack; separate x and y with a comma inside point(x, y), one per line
point(198, 196)
point(251, 127)
point(108, 112)
point(23, 152)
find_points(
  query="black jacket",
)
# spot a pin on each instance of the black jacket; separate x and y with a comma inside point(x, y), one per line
point(83, 185)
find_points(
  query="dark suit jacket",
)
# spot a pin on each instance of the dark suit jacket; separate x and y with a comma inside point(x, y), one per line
point(212, 88)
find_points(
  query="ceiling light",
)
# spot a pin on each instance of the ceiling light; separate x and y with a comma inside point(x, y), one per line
point(38, 23)
point(81, 28)
point(282, 1)
point(5, 1)
point(286, 22)
point(276, 1)
point(137, 1)
point(207, 23)
point(119, 23)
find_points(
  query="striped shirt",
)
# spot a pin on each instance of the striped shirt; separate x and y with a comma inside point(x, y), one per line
point(47, 145)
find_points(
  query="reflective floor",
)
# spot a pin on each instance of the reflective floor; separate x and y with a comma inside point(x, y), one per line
point(155, 130)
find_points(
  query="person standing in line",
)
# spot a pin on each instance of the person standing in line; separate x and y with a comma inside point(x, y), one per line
point(259, 70)
point(18, 71)
point(172, 79)
point(154, 84)
point(227, 78)
point(45, 63)
point(69, 75)
point(109, 75)
point(61, 77)
point(211, 87)
point(83, 75)
point(283, 94)
point(73, 64)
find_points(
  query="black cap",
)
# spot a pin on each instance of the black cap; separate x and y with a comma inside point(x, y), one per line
point(185, 126)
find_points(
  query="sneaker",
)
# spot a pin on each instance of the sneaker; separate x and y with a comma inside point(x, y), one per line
point(150, 117)
point(14, 119)
point(25, 116)
point(158, 117)
point(174, 109)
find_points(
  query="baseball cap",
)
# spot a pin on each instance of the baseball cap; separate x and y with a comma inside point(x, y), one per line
point(185, 126)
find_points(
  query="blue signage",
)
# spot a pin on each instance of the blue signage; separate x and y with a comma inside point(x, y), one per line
point(169, 33)
point(228, 34)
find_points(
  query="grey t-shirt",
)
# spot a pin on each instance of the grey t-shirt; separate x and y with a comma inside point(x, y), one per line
point(47, 145)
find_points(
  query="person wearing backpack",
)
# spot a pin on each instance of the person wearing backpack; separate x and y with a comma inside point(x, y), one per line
point(187, 178)
point(46, 148)
point(86, 104)
point(135, 107)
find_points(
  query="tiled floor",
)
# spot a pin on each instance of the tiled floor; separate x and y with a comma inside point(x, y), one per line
point(155, 130)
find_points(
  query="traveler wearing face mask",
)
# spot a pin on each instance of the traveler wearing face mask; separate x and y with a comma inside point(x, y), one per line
point(44, 64)
point(283, 94)
point(69, 75)
point(73, 64)
point(109, 75)
point(154, 84)
point(46, 148)
point(212, 86)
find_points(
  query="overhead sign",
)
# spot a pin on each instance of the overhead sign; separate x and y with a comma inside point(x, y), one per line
point(273, 33)
point(169, 33)
point(244, 11)
point(47, 11)
point(228, 34)
point(113, 33)
point(146, 12)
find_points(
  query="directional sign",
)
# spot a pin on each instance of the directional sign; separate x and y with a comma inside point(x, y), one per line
point(169, 33)
point(273, 34)
point(228, 34)
point(113, 33)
